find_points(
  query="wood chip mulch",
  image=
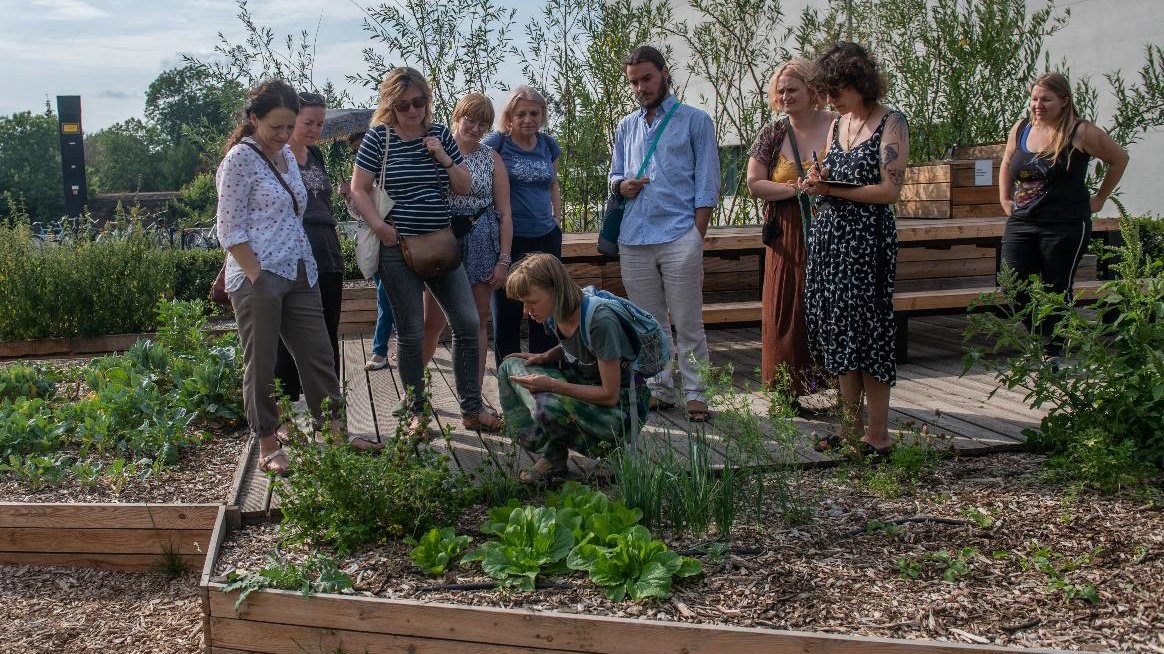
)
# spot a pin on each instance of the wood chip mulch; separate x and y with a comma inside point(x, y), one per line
point(203, 475)
point(837, 575)
point(80, 611)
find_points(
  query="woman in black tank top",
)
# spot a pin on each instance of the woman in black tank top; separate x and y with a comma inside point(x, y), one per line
point(1042, 188)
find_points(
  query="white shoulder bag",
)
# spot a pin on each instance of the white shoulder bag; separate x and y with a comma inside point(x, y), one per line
point(367, 241)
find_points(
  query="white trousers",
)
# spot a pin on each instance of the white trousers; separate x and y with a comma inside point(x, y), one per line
point(667, 280)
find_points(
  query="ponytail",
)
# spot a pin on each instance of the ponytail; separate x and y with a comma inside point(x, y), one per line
point(268, 95)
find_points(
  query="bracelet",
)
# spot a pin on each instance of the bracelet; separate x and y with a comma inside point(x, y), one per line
point(504, 259)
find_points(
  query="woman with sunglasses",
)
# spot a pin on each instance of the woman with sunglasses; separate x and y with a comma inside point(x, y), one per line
point(486, 246)
point(424, 165)
point(852, 261)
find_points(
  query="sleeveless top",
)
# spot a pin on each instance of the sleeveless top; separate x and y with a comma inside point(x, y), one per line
point(785, 169)
point(480, 165)
point(1046, 190)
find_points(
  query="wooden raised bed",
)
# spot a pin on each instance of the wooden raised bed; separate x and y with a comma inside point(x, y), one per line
point(283, 622)
point(948, 189)
point(131, 537)
point(77, 346)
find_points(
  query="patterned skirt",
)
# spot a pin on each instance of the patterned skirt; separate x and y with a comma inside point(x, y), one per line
point(481, 247)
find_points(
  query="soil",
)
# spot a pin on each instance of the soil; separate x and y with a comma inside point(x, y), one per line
point(203, 475)
point(841, 573)
point(78, 611)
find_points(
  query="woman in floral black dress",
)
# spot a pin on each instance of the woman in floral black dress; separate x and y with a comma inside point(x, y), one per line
point(853, 243)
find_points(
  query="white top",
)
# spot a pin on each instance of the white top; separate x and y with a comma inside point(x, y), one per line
point(253, 207)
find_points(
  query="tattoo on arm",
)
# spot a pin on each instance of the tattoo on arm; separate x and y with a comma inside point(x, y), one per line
point(889, 154)
point(897, 177)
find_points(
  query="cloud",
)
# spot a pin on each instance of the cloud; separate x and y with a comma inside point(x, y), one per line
point(69, 10)
point(114, 94)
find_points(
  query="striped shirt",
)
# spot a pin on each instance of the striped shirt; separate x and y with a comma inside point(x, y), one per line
point(414, 179)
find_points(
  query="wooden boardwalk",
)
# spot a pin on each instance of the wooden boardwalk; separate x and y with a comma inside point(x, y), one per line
point(930, 392)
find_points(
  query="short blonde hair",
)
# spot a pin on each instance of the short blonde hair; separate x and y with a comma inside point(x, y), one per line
point(547, 273)
point(475, 106)
point(797, 69)
point(392, 89)
point(523, 92)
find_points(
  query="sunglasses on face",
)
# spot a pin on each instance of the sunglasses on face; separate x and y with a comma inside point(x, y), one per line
point(418, 102)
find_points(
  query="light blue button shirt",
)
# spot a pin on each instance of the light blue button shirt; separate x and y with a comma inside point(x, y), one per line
point(684, 172)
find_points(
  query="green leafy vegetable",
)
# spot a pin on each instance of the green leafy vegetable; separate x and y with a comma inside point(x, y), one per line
point(634, 565)
point(437, 549)
point(533, 541)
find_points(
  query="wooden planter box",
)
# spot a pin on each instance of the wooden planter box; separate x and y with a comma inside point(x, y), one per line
point(947, 189)
point(115, 536)
point(76, 346)
point(282, 622)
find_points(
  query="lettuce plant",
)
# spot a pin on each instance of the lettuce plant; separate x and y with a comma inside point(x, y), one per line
point(632, 564)
point(437, 550)
point(533, 541)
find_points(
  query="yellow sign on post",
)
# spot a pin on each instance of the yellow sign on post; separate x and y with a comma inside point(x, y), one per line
point(70, 128)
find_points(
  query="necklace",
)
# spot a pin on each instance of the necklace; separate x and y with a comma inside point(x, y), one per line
point(853, 135)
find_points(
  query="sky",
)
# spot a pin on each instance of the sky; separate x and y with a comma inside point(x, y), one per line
point(108, 51)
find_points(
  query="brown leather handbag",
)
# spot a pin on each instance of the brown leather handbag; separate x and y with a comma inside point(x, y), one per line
point(432, 254)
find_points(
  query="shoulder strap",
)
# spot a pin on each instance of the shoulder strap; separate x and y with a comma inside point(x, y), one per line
point(314, 151)
point(791, 134)
point(655, 141)
point(278, 176)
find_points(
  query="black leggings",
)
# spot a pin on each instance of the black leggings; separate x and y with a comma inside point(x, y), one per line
point(331, 294)
point(1052, 251)
point(507, 313)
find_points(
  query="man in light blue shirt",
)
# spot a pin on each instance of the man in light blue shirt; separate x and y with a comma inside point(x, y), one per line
point(666, 216)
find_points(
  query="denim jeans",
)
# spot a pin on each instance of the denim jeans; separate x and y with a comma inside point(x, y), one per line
point(384, 320)
point(507, 313)
point(451, 290)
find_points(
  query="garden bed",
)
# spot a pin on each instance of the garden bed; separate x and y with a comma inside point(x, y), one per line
point(1012, 559)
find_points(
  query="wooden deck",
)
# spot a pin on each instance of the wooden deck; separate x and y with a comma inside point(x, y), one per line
point(929, 392)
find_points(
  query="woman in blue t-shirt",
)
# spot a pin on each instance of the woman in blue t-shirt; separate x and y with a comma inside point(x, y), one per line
point(530, 157)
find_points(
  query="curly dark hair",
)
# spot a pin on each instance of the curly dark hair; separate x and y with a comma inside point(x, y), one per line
point(849, 64)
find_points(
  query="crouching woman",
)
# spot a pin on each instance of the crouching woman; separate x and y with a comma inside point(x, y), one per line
point(582, 394)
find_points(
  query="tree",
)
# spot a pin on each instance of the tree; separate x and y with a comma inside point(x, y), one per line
point(959, 69)
point(188, 96)
point(30, 167)
point(457, 44)
point(575, 54)
point(126, 157)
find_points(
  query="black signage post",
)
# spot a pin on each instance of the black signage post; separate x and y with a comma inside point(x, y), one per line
point(72, 154)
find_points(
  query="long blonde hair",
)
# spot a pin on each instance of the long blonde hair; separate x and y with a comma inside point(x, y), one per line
point(547, 273)
point(393, 88)
point(1057, 83)
point(797, 69)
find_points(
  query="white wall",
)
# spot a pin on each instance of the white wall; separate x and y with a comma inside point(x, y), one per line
point(1101, 36)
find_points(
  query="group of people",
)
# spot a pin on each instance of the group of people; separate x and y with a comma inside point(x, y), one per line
point(829, 179)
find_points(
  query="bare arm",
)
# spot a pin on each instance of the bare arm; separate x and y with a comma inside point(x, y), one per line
point(1005, 182)
point(556, 197)
point(763, 188)
point(501, 202)
point(362, 201)
point(1096, 142)
point(604, 394)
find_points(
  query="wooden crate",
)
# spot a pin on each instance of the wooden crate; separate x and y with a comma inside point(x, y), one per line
point(282, 622)
point(114, 536)
point(947, 189)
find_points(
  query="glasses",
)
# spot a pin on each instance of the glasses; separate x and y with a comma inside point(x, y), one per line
point(419, 102)
point(476, 125)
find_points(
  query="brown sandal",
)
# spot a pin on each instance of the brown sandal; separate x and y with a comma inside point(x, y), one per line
point(697, 411)
point(268, 465)
point(486, 421)
point(365, 444)
point(543, 472)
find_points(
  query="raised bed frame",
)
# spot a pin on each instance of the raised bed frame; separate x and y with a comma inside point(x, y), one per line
point(283, 622)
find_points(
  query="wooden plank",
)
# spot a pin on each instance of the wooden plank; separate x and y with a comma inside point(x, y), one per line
point(933, 173)
point(980, 151)
point(120, 562)
point(913, 192)
point(361, 419)
point(221, 529)
point(975, 195)
point(948, 268)
point(111, 541)
point(949, 252)
point(288, 639)
point(35, 348)
point(239, 485)
point(950, 230)
point(729, 312)
point(962, 175)
point(977, 211)
point(922, 209)
point(108, 516)
point(514, 628)
point(253, 503)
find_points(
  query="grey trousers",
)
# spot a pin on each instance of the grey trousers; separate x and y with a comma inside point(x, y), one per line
point(275, 307)
point(452, 291)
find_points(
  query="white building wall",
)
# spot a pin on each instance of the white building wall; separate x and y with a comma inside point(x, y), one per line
point(1101, 36)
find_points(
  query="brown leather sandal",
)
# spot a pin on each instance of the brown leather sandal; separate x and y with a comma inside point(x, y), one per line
point(543, 472)
point(486, 421)
point(270, 465)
